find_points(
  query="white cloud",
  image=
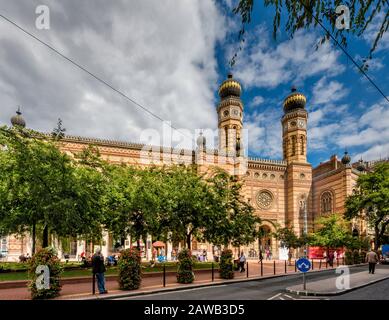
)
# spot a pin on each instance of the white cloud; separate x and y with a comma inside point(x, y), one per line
point(372, 30)
point(325, 91)
point(161, 54)
point(262, 65)
point(264, 133)
point(256, 101)
point(376, 152)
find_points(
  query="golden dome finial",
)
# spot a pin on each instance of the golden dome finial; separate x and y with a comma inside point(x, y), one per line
point(230, 87)
point(295, 100)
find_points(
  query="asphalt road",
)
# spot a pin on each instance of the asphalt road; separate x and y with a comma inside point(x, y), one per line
point(377, 291)
point(268, 289)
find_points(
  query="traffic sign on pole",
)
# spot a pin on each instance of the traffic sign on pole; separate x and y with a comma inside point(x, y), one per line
point(304, 265)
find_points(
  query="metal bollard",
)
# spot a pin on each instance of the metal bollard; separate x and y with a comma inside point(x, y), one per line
point(326, 263)
point(94, 283)
point(337, 262)
point(295, 265)
point(247, 269)
point(164, 275)
point(320, 264)
point(286, 270)
point(261, 268)
point(312, 265)
point(274, 266)
point(213, 275)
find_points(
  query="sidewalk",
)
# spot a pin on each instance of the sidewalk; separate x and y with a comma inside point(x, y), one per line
point(328, 287)
point(83, 289)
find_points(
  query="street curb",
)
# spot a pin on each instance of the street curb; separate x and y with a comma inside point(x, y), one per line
point(181, 288)
point(333, 293)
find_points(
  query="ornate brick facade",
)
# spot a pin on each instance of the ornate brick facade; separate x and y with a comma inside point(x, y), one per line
point(282, 192)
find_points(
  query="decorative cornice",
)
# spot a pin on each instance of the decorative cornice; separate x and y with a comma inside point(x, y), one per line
point(333, 172)
point(266, 164)
point(294, 113)
point(230, 101)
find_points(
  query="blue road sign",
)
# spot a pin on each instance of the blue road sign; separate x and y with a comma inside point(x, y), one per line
point(303, 265)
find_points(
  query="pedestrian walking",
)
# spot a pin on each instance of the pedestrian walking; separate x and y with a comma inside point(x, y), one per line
point(242, 261)
point(331, 259)
point(372, 259)
point(205, 255)
point(267, 254)
point(98, 268)
point(290, 257)
point(260, 256)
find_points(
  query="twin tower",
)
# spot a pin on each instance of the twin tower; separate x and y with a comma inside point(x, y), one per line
point(298, 172)
point(230, 122)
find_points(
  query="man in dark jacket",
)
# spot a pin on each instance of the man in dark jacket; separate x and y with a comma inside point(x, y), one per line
point(372, 259)
point(98, 268)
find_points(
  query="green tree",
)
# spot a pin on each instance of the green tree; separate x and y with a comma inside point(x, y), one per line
point(43, 189)
point(187, 209)
point(303, 14)
point(132, 202)
point(333, 232)
point(287, 237)
point(370, 201)
point(232, 218)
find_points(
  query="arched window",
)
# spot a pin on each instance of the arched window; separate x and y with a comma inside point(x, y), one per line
point(326, 202)
point(226, 137)
point(302, 139)
point(294, 145)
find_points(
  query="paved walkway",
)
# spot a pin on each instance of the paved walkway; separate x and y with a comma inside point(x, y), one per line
point(84, 289)
point(340, 283)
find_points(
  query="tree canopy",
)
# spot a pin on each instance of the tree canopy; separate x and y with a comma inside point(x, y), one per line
point(370, 201)
point(304, 14)
point(333, 232)
point(41, 187)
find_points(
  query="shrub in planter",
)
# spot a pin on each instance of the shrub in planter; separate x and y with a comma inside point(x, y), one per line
point(348, 257)
point(363, 256)
point(45, 257)
point(185, 267)
point(226, 265)
point(356, 257)
point(130, 270)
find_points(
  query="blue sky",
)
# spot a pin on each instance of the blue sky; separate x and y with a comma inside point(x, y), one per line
point(346, 111)
point(170, 56)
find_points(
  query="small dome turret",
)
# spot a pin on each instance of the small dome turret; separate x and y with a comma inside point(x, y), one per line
point(346, 158)
point(361, 165)
point(18, 120)
point(201, 141)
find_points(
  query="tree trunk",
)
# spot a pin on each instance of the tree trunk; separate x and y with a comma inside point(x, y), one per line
point(188, 241)
point(138, 243)
point(33, 238)
point(45, 241)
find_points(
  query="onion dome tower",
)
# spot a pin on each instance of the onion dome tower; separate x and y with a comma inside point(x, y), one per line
point(18, 120)
point(230, 115)
point(299, 171)
point(294, 124)
point(295, 100)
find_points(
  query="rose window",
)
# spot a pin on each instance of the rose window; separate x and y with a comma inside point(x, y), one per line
point(264, 199)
